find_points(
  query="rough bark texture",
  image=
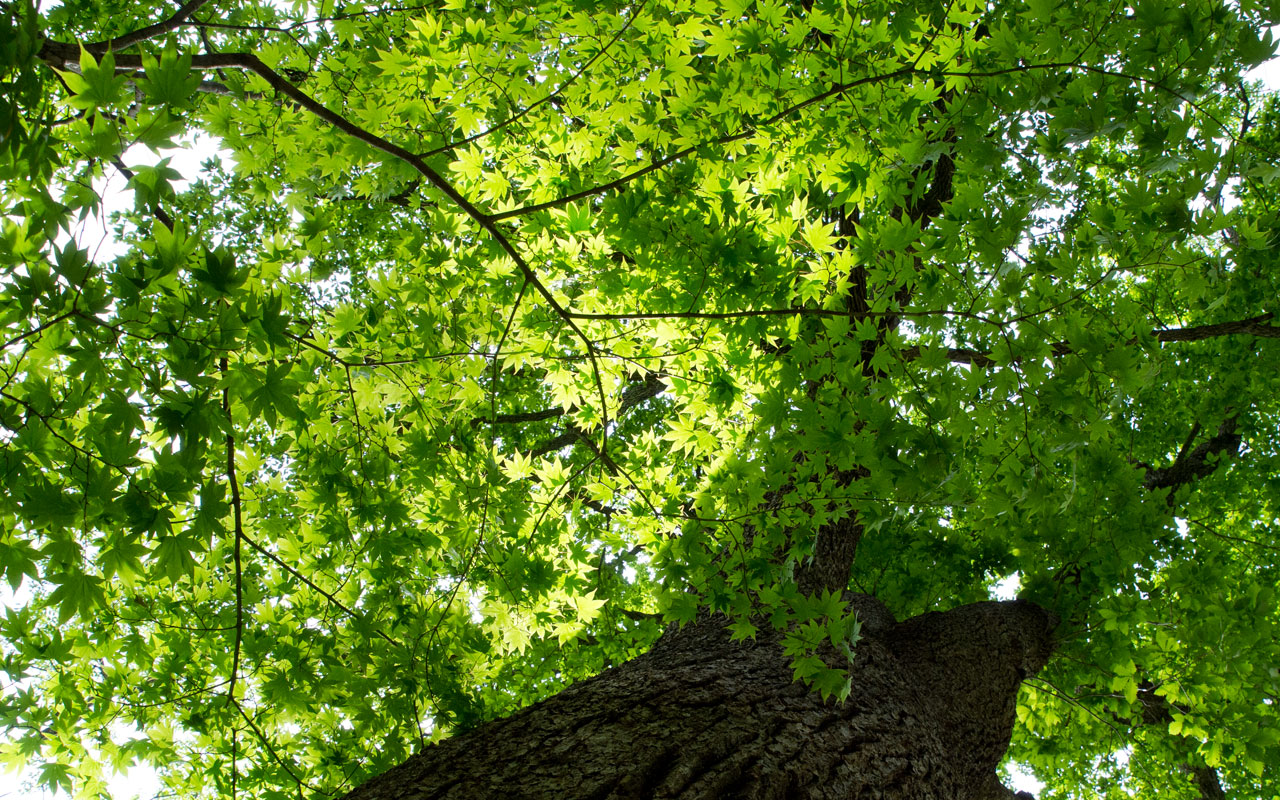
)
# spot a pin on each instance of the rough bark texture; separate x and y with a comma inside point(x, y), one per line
point(700, 716)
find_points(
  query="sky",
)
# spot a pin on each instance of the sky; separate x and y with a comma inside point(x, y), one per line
point(142, 782)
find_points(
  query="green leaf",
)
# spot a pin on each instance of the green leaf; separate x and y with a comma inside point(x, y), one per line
point(220, 271)
point(173, 557)
point(96, 85)
point(169, 80)
point(76, 594)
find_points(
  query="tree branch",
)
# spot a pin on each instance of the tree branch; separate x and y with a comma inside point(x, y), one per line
point(36, 330)
point(1156, 711)
point(237, 532)
point(521, 418)
point(1197, 463)
point(150, 31)
point(636, 394)
point(1254, 326)
point(727, 138)
point(327, 596)
point(262, 738)
point(836, 543)
point(156, 211)
point(555, 443)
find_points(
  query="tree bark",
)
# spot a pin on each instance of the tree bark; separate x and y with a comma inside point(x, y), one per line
point(700, 716)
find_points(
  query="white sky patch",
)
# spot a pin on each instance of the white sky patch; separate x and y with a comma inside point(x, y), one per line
point(94, 233)
point(1020, 780)
point(1268, 72)
point(1007, 588)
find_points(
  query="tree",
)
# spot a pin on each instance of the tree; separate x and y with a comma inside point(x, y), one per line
point(729, 351)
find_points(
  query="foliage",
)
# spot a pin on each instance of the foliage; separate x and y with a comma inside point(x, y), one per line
point(505, 334)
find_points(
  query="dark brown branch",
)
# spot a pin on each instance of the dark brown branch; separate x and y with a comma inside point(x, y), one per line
point(36, 330)
point(1197, 463)
point(150, 31)
point(1190, 440)
point(834, 550)
point(639, 616)
point(214, 87)
point(1207, 782)
point(262, 738)
point(600, 455)
point(594, 505)
point(636, 394)
point(1253, 326)
point(401, 198)
point(836, 544)
point(156, 211)
point(556, 443)
point(958, 355)
point(1156, 711)
point(518, 419)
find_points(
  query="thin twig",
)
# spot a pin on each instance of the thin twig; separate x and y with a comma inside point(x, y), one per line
point(717, 141)
point(549, 97)
point(238, 532)
point(310, 583)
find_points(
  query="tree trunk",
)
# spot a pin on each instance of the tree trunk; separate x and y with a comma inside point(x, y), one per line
point(699, 716)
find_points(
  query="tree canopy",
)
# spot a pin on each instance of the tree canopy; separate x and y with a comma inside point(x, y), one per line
point(511, 332)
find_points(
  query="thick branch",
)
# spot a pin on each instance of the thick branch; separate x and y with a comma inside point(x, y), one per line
point(836, 545)
point(521, 418)
point(1254, 326)
point(557, 442)
point(1197, 463)
point(1156, 711)
point(834, 550)
point(1207, 782)
point(149, 32)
